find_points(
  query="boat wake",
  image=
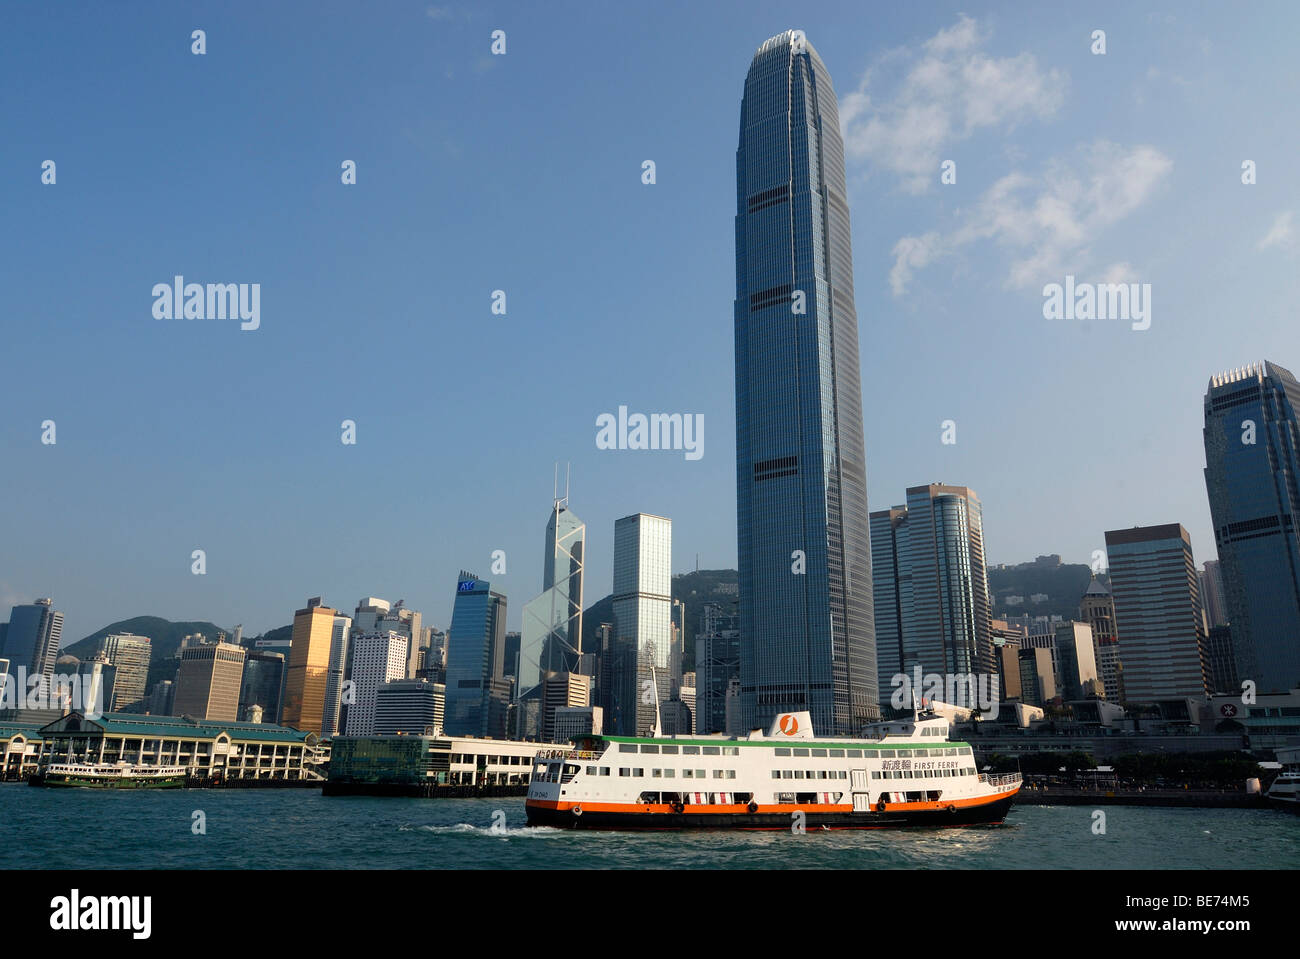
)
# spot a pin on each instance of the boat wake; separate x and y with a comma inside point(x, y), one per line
point(489, 832)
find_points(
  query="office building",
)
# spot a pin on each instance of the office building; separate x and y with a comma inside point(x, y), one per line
point(801, 487)
point(1211, 580)
point(32, 640)
point(340, 646)
point(931, 586)
point(477, 692)
point(1252, 475)
point(717, 663)
point(1037, 677)
point(551, 640)
point(208, 682)
point(262, 685)
point(377, 658)
point(1076, 663)
point(1158, 613)
point(409, 707)
point(643, 553)
point(308, 673)
point(1221, 661)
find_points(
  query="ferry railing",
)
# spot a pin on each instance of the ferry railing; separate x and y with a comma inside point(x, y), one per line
point(1006, 779)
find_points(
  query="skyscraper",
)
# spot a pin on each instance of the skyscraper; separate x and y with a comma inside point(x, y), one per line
point(808, 641)
point(130, 656)
point(32, 640)
point(309, 660)
point(931, 587)
point(376, 659)
point(552, 621)
point(262, 684)
point(1211, 578)
point(208, 681)
point(1157, 612)
point(1097, 609)
point(643, 633)
point(340, 639)
point(1252, 475)
point(477, 694)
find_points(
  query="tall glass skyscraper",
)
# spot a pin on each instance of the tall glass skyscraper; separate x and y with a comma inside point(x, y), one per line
point(931, 586)
point(477, 694)
point(643, 629)
point(804, 552)
point(1252, 472)
point(552, 623)
point(32, 640)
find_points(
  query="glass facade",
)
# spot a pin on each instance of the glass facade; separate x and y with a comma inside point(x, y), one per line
point(552, 623)
point(931, 586)
point(1158, 612)
point(806, 624)
point(476, 691)
point(1252, 467)
point(643, 630)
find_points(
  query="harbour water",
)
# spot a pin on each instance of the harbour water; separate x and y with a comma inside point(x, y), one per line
point(300, 829)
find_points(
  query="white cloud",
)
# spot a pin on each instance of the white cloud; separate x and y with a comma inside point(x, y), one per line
point(1046, 223)
point(951, 89)
point(1281, 233)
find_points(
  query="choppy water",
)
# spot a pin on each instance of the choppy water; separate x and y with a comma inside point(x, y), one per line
point(300, 829)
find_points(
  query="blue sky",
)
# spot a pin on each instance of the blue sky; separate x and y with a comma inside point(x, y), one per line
point(522, 173)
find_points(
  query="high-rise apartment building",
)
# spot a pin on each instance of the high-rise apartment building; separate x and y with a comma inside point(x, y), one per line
point(643, 633)
point(1252, 475)
point(1158, 612)
point(130, 656)
point(802, 546)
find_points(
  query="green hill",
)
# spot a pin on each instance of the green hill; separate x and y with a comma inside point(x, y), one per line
point(695, 589)
point(1058, 586)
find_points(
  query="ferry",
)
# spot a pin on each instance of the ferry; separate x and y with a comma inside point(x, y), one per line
point(112, 776)
point(898, 774)
point(1285, 791)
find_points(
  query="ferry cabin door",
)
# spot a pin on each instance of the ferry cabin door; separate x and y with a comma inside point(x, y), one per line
point(858, 779)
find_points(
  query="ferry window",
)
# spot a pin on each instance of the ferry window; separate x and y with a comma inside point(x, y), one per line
point(821, 774)
point(776, 774)
point(688, 773)
point(950, 752)
point(690, 750)
point(656, 773)
point(731, 774)
point(782, 751)
point(819, 752)
point(787, 774)
point(717, 774)
point(591, 770)
point(902, 753)
point(798, 774)
point(844, 774)
point(638, 772)
point(965, 750)
point(627, 747)
point(920, 753)
point(801, 752)
point(836, 753)
point(604, 770)
point(710, 750)
point(670, 773)
point(699, 774)
point(650, 749)
point(624, 771)
point(731, 750)
point(670, 750)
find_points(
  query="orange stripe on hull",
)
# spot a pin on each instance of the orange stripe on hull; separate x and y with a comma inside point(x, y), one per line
point(565, 806)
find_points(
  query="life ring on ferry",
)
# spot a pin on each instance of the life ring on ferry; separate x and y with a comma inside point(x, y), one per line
point(753, 807)
point(880, 806)
point(577, 810)
point(950, 809)
point(677, 807)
